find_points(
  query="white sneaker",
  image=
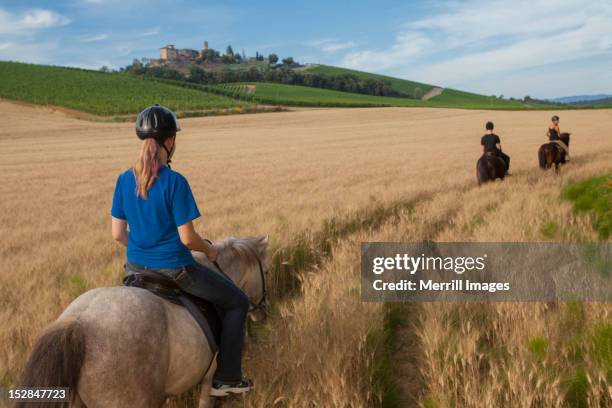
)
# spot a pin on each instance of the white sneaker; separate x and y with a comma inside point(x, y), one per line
point(220, 389)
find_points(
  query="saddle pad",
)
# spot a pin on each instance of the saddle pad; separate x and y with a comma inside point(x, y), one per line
point(205, 313)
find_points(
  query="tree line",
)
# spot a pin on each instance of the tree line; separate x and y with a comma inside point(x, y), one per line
point(211, 55)
point(279, 74)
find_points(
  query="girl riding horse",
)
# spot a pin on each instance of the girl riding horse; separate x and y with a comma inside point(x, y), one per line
point(553, 133)
point(158, 205)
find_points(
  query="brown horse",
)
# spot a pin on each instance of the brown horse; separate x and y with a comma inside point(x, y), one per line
point(553, 153)
point(490, 167)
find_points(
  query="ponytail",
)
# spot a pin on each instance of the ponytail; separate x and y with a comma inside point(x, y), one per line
point(147, 167)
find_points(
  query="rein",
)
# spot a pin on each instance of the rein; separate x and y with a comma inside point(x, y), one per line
point(263, 302)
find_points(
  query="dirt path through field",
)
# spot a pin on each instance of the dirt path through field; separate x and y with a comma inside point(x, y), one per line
point(435, 91)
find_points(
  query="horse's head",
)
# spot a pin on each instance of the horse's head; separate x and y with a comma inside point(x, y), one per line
point(244, 261)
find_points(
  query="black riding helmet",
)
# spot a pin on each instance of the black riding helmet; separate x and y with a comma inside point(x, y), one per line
point(159, 123)
point(555, 118)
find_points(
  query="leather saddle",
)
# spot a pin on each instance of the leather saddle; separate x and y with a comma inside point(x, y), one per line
point(205, 313)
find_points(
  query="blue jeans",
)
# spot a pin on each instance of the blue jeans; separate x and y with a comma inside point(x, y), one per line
point(217, 288)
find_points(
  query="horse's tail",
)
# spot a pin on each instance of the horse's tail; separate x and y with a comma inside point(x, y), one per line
point(56, 359)
point(542, 157)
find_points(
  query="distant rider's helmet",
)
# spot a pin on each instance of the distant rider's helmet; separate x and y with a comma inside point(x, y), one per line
point(555, 118)
point(156, 122)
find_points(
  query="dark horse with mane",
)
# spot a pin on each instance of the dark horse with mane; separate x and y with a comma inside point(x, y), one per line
point(490, 167)
point(552, 153)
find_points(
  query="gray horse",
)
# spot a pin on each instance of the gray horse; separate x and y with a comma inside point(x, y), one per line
point(125, 347)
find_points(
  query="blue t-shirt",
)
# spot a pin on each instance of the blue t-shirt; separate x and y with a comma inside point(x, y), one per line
point(153, 239)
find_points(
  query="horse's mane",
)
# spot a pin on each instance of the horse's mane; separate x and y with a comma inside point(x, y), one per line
point(251, 250)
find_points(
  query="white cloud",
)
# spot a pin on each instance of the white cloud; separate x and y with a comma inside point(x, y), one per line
point(553, 82)
point(95, 38)
point(407, 45)
point(150, 33)
point(31, 20)
point(93, 64)
point(335, 47)
point(476, 20)
point(6, 45)
point(34, 52)
point(122, 50)
point(474, 40)
point(330, 46)
point(575, 44)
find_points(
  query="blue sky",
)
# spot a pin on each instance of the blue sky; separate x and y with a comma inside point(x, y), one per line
point(542, 48)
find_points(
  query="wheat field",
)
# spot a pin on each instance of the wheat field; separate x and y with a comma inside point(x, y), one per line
point(286, 174)
point(446, 344)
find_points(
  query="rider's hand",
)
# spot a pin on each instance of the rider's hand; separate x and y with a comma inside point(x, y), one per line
point(212, 253)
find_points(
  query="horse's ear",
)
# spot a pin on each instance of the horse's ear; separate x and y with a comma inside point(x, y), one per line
point(264, 240)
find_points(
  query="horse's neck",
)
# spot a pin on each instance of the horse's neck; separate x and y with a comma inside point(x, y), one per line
point(231, 269)
point(235, 269)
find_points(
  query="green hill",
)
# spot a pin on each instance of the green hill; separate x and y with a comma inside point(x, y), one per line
point(122, 93)
point(461, 99)
point(98, 92)
point(413, 89)
point(294, 95)
point(600, 103)
point(448, 98)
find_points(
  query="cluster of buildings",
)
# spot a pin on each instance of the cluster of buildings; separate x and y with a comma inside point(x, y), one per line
point(171, 53)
